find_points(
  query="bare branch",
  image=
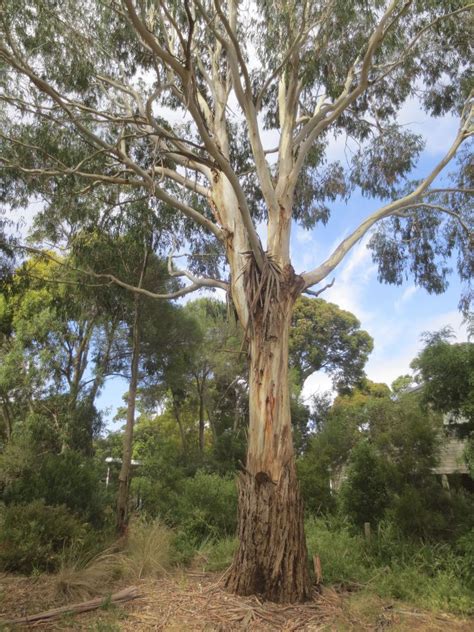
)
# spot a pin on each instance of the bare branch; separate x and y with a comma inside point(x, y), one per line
point(319, 292)
point(244, 96)
point(197, 283)
point(326, 113)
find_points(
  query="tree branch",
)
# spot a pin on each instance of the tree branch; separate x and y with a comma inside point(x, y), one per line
point(197, 282)
point(323, 289)
point(319, 121)
point(319, 273)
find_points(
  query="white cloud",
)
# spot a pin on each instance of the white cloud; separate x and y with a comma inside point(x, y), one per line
point(303, 236)
point(352, 280)
point(437, 132)
point(410, 291)
point(317, 384)
point(398, 343)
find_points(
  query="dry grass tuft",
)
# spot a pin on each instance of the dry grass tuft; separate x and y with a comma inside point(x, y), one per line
point(145, 553)
point(80, 578)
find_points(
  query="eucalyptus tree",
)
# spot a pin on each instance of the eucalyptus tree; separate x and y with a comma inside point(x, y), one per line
point(49, 332)
point(224, 111)
point(446, 372)
point(127, 248)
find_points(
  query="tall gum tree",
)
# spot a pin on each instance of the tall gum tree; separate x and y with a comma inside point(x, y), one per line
point(171, 100)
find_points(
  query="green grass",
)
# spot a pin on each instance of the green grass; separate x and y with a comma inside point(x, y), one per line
point(431, 576)
point(218, 555)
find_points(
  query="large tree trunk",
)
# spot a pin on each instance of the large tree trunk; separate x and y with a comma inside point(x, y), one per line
point(271, 559)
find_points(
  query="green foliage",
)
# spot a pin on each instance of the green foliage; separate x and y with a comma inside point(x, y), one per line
point(217, 555)
point(364, 494)
point(434, 576)
point(325, 337)
point(313, 476)
point(469, 455)
point(447, 374)
point(33, 536)
point(465, 548)
point(67, 479)
point(206, 506)
point(343, 554)
point(387, 448)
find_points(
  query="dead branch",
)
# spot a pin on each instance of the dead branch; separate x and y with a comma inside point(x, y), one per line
point(127, 594)
point(323, 289)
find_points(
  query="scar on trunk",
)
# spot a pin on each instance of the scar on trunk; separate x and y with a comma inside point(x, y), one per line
point(269, 412)
point(262, 478)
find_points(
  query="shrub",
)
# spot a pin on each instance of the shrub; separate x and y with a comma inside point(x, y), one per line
point(465, 549)
point(313, 477)
point(33, 536)
point(433, 576)
point(343, 555)
point(207, 507)
point(62, 479)
point(145, 553)
point(364, 494)
point(81, 576)
point(217, 555)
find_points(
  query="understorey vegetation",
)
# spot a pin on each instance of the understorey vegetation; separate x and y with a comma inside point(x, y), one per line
point(378, 517)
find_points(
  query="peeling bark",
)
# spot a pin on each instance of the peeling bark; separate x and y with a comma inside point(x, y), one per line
point(271, 559)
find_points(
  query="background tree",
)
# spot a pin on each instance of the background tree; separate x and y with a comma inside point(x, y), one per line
point(325, 337)
point(56, 343)
point(446, 372)
point(80, 119)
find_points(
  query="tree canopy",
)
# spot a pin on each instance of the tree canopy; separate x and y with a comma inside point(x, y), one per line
point(141, 97)
point(446, 373)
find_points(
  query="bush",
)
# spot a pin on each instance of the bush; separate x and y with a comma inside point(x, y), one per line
point(364, 494)
point(62, 479)
point(33, 536)
point(313, 477)
point(207, 507)
point(146, 552)
point(465, 549)
point(218, 555)
point(434, 576)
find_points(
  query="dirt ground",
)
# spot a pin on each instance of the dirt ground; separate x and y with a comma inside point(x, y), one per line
point(197, 602)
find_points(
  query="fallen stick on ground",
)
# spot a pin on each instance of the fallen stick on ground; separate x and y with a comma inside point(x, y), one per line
point(75, 608)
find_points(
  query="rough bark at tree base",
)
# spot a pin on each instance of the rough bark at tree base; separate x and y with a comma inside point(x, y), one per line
point(271, 560)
